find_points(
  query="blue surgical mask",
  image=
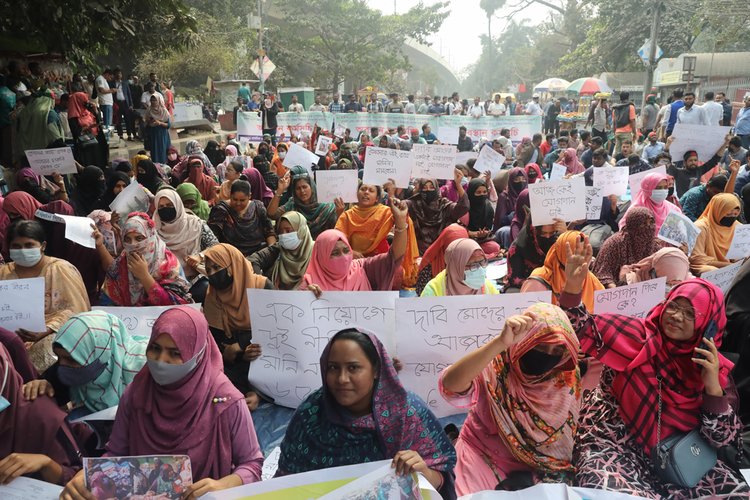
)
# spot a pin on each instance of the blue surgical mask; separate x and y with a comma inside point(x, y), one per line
point(78, 376)
point(26, 257)
point(289, 241)
point(475, 278)
point(659, 195)
point(166, 374)
point(4, 403)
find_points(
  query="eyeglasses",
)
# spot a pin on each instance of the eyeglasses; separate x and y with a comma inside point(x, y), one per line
point(477, 265)
point(687, 312)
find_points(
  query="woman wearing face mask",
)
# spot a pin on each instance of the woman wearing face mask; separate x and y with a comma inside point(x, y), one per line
point(37, 441)
point(569, 158)
point(149, 177)
point(116, 182)
point(146, 273)
point(286, 261)
point(193, 201)
point(362, 413)
point(182, 404)
point(653, 195)
point(97, 359)
point(523, 209)
point(205, 184)
point(665, 364)
point(214, 153)
point(320, 216)
point(332, 266)
point(431, 213)
point(367, 226)
point(277, 163)
point(242, 222)
point(465, 272)
point(669, 262)
point(158, 123)
point(258, 188)
point(529, 250)
point(228, 314)
point(523, 391)
point(449, 190)
point(88, 192)
point(481, 217)
point(261, 164)
point(64, 291)
point(533, 173)
point(506, 203)
point(433, 260)
point(627, 247)
point(551, 276)
point(173, 157)
point(717, 225)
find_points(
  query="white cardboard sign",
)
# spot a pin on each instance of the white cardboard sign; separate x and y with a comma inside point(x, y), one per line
point(723, 276)
point(433, 161)
point(131, 199)
point(634, 300)
point(382, 164)
point(703, 139)
point(50, 161)
point(564, 199)
point(489, 159)
point(334, 184)
point(297, 155)
point(740, 247)
point(22, 304)
point(612, 180)
point(139, 320)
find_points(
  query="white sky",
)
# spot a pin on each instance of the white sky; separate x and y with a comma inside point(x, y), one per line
point(459, 35)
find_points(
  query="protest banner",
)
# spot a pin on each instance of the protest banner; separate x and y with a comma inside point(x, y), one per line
point(489, 159)
point(490, 127)
point(634, 300)
point(723, 276)
point(678, 229)
point(52, 161)
point(612, 180)
point(128, 476)
point(448, 135)
point(131, 199)
point(22, 304)
point(382, 164)
point(740, 247)
point(558, 172)
point(139, 320)
point(24, 488)
point(323, 145)
point(297, 155)
point(364, 122)
point(301, 124)
point(634, 181)
point(293, 328)
point(564, 199)
point(594, 202)
point(433, 161)
point(249, 127)
point(443, 329)
point(703, 139)
point(334, 184)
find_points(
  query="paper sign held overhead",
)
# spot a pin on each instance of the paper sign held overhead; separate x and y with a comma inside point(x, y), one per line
point(78, 230)
point(382, 164)
point(634, 300)
point(564, 199)
point(740, 247)
point(612, 180)
point(131, 199)
point(703, 139)
point(297, 155)
point(323, 145)
point(448, 135)
point(22, 304)
point(433, 161)
point(50, 161)
point(558, 172)
point(489, 159)
point(334, 184)
point(678, 229)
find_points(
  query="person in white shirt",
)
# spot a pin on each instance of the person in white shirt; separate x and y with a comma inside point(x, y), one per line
point(454, 106)
point(476, 110)
point(496, 108)
point(690, 114)
point(104, 94)
point(317, 106)
point(295, 106)
point(533, 108)
point(713, 110)
point(146, 96)
point(410, 108)
point(425, 106)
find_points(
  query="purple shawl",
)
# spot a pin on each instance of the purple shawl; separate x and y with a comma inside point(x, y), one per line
point(520, 216)
point(18, 354)
point(258, 186)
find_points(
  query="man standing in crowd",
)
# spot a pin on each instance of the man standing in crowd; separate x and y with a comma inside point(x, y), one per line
point(295, 106)
point(394, 106)
point(374, 105)
point(335, 106)
point(104, 93)
point(690, 114)
point(410, 108)
point(742, 126)
point(713, 111)
point(317, 106)
point(353, 106)
point(623, 121)
point(424, 108)
point(476, 110)
point(670, 115)
point(496, 108)
point(454, 106)
point(124, 105)
point(648, 115)
point(726, 119)
point(533, 108)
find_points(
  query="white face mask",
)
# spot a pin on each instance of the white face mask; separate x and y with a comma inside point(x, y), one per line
point(282, 154)
point(659, 195)
point(289, 241)
point(165, 373)
point(26, 257)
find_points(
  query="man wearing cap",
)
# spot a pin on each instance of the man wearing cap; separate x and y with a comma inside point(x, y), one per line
point(533, 108)
point(687, 173)
point(415, 137)
point(653, 149)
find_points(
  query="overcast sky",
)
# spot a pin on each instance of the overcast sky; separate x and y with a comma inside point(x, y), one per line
point(459, 35)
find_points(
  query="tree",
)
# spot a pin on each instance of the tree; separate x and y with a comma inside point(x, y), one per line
point(490, 7)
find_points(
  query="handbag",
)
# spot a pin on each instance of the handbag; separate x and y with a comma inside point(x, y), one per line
point(684, 458)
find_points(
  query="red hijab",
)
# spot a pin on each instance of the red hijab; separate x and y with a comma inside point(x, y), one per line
point(435, 254)
point(205, 184)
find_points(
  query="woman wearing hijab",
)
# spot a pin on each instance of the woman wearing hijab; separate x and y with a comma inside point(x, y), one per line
point(365, 415)
point(97, 359)
point(431, 213)
point(481, 217)
point(232, 172)
point(506, 200)
point(205, 184)
point(569, 158)
point(158, 123)
point(35, 438)
point(173, 157)
point(668, 262)
point(627, 247)
point(149, 176)
point(523, 392)
point(367, 226)
point(4, 223)
point(717, 225)
point(320, 216)
point(193, 201)
point(533, 173)
point(36, 125)
point(523, 209)
point(653, 195)
point(332, 266)
point(214, 153)
point(87, 195)
point(433, 260)
point(183, 404)
point(193, 148)
point(529, 249)
point(260, 191)
point(738, 318)
point(146, 273)
point(551, 276)
point(449, 190)
point(184, 233)
point(116, 182)
point(230, 155)
point(525, 151)
point(38, 186)
point(64, 291)
point(277, 163)
point(242, 222)
point(667, 365)
point(465, 272)
point(286, 261)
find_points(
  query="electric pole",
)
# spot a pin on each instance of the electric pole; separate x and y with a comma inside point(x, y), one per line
point(655, 18)
point(261, 52)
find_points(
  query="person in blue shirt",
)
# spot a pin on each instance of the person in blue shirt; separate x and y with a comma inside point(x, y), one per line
point(653, 149)
point(743, 177)
point(696, 199)
point(742, 126)
point(244, 92)
point(427, 134)
point(436, 108)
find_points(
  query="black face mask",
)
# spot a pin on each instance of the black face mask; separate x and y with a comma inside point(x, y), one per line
point(519, 186)
point(479, 199)
point(670, 192)
point(545, 243)
point(728, 221)
point(167, 214)
point(221, 280)
point(429, 196)
point(535, 363)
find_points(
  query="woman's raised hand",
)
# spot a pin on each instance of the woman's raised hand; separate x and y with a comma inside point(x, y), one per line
point(578, 259)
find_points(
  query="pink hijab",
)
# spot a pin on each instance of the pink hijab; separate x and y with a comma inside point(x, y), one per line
point(669, 261)
point(569, 158)
point(457, 255)
point(334, 274)
point(182, 418)
point(643, 199)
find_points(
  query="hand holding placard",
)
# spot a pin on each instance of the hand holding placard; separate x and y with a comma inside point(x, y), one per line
point(740, 247)
point(564, 199)
point(334, 184)
point(612, 180)
point(382, 164)
point(51, 161)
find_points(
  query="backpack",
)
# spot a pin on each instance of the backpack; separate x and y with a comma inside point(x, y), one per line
point(622, 115)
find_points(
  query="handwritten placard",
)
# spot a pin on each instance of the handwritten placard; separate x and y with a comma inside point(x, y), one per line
point(131, 199)
point(678, 229)
point(51, 161)
point(612, 180)
point(139, 320)
point(297, 155)
point(78, 230)
point(558, 172)
point(382, 164)
point(22, 304)
point(448, 135)
point(723, 276)
point(433, 161)
point(740, 247)
point(594, 201)
point(334, 184)
point(489, 159)
point(443, 329)
point(23, 488)
point(703, 139)
point(293, 328)
point(634, 181)
point(634, 300)
point(564, 199)
point(323, 145)
point(464, 156)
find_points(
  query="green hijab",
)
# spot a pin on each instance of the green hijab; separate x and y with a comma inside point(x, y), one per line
point(188, 191)
point(289, 269)
point(320, 216)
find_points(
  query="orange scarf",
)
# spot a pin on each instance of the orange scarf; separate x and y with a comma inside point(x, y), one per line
point(717, 238)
